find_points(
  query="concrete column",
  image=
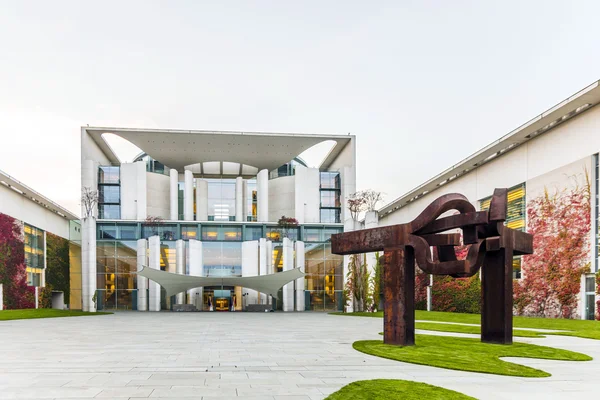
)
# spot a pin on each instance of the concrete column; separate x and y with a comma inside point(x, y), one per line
point(239, 199)
point(245, 200)
point(288, 264)
point(270, 264)
point(1, 298)
point(173, 194)
point(141, 189)
point(188, 196)
point(201, 200)
point(250, 268)
point(262, 264)
point(300, 281)
point(196, 269)
point(180, 266)
point(142, 283)
point(262, 194)
point(88, 263)
point(89, 179)
point(154, 262)
point(307, 196)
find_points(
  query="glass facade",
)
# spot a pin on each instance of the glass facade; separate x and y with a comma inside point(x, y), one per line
point(109, 192)
point(116, 265)
point(34, 242)
point(331, 203)
point(116, 257)
point(324, 281)
point(221, 199)
point(251, 201)
point(515, 219)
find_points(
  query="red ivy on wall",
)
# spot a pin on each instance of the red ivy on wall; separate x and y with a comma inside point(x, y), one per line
point(560, 225)
point(12, 266)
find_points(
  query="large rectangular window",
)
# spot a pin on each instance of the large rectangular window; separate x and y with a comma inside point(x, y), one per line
point(222, 233)
point(116, 266)
point(221, 199)
point(324, 278)
point(109, 192)
point(330, 192)
point(34, 254)
point(515, 217)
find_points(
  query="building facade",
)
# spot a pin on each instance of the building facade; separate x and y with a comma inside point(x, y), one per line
point(551, 157)
point(208, 204)
point(37, 226)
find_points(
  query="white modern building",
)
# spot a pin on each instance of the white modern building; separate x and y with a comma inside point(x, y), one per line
point(207, 204)
point(36, 216)
point(556, 151)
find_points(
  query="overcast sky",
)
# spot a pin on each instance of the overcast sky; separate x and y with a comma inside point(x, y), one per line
point(422, 84)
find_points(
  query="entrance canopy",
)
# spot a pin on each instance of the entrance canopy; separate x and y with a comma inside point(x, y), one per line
point(177, 283)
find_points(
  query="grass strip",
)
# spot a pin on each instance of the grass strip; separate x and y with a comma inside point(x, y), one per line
point(9, 315)
point(570, 327)
point(466, 354)
point(384, 389)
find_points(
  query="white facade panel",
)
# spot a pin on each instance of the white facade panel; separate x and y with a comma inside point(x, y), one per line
point(196, 268)
point(250, 268)
point(142, 282)
point(307, 197)
point(239, 199)
point(262, 196)
point(157, 195)
point(20, 207)
point(173, 195)
point(300, 298)
point(288, 264)
point(281, 198)
point(180, 266)
point(201, 200)
point(153, 262)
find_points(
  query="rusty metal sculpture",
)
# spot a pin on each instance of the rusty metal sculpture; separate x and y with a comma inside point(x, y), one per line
point(492, 246)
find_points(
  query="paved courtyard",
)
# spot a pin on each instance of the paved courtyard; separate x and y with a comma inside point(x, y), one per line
point(132, 355)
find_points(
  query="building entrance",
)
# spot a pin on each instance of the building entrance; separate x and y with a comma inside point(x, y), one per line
point(219, 298)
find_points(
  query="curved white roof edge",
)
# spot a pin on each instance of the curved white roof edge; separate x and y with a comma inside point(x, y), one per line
point(35, 197)
point(574, 105)
point(261, 149)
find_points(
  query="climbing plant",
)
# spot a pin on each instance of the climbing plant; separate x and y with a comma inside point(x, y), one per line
point(13, 273)
point(560, 224)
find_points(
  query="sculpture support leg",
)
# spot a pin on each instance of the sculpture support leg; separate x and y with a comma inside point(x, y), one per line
point(497, 297)
point(399, 292)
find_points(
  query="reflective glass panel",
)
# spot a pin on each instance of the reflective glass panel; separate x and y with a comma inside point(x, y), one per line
point(253, 232)
point(189, 232)
point(127, 231)
point(108, 174)
point(109, 194)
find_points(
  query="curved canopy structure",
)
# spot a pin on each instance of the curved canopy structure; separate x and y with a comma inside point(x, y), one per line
point(178, 149)
point(177, 283)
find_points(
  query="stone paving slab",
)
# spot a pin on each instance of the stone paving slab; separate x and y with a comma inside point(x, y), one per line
point(270, 356)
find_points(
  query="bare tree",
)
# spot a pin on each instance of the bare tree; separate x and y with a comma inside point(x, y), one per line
point(89, 199)
point(153, 223)
point(371, 198)
point(356, 204)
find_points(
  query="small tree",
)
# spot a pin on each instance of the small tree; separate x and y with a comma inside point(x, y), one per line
point(376, 284)
point(89, 199)
point(371, 198)
point(153, 223)
point(357, 283)
point(287, 223)
point(356, 204)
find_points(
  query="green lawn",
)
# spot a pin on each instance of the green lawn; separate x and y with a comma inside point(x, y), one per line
point(468, 354)
point(574, 327)
point(384, 389)
point(8, 315)
point(434, 326)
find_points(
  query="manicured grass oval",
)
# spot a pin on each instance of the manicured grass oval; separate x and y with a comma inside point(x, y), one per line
point(385, 389)
point(467, 354)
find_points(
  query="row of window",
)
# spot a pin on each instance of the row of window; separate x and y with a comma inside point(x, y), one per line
point(227, 233)
point(515, 217)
